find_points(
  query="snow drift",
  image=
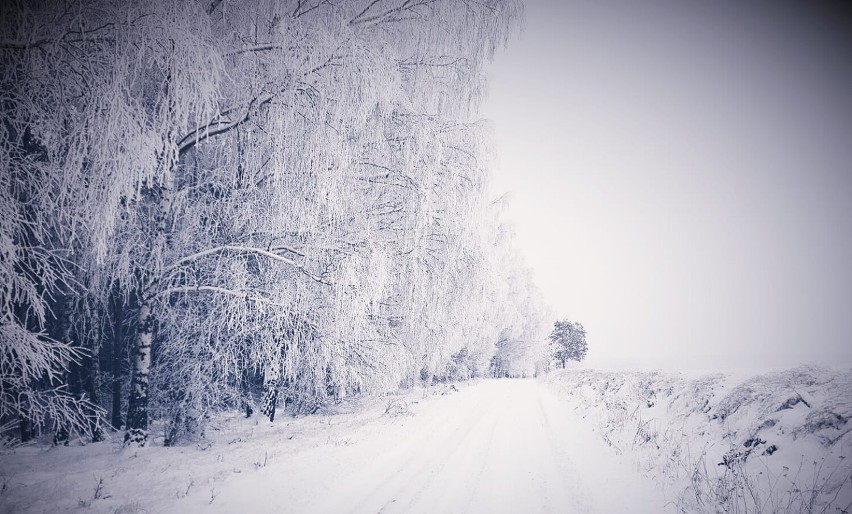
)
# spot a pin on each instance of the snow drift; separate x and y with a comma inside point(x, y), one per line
point(774, 442)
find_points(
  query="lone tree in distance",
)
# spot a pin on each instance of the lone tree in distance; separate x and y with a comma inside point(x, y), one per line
point(570, 341)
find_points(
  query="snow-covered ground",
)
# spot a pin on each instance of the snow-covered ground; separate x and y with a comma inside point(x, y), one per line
point(771, 442)
point(586, 441)
point(490, 446)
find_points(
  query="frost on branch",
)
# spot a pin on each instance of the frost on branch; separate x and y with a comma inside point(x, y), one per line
point(261, 204)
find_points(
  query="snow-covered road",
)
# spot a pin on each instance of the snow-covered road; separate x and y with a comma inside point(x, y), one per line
point(495, 446)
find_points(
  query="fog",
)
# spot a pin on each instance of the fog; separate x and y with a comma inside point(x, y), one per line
point(680, 177)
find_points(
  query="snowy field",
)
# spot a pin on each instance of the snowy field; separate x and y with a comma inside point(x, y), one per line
point(772, 442)
point(490, 446)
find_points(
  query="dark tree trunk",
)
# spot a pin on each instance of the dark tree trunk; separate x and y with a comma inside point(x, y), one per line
point(115, 418)
point(92, 378)
point(174, 430)
point(246, 391)
point(62, 433)
point(26, 428)
point(270, 393)
point(61, 436)
point(117, 360)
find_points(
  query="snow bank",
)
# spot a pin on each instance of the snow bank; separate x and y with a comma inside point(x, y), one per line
point(773, 442)
point(108, 478)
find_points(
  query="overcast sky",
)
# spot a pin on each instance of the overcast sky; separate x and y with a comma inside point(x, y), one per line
point(681, 177)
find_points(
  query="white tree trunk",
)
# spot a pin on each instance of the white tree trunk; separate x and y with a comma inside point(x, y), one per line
point(137, 411)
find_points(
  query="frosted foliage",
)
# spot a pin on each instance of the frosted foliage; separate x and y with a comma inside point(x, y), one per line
point(523, 348)
point(293, 190)
point(106, 110)
point(25, 358)
point(32, 269)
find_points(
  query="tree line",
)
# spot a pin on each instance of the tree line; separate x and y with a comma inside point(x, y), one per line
point(239, 204)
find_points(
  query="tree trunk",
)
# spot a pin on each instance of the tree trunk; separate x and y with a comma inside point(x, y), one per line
point(93, 390)
point(175, 429)
point(117, 361)
point(137, 410)
point(115, 418)
point(26, 428)
point(270, 392)
point(62, 433)
point(245, 390)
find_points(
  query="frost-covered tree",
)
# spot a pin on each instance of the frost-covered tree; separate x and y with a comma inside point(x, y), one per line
point(522, 313)
point(569, 340)
point(98, 89)
point(254, 200)
point(38, 237)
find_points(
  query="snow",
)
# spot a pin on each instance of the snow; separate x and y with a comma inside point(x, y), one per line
point(580, 441)
point(759, 442)
point(489, 446)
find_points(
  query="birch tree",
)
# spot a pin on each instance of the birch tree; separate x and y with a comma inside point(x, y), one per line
point(277, 191)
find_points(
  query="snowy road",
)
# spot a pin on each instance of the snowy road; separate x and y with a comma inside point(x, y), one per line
point(496, 446)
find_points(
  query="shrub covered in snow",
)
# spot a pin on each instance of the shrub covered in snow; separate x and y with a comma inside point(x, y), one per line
point(773, 442)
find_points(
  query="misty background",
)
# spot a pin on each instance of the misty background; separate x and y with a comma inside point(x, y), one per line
point(679, 177)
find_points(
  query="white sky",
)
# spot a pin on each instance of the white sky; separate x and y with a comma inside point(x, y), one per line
point(681, 177)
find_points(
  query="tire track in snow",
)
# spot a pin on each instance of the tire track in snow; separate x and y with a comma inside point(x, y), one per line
point(494, 446)
point(423, 461)
point(560, 458)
